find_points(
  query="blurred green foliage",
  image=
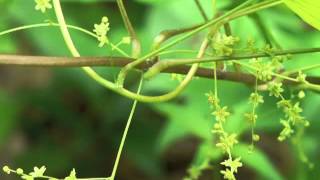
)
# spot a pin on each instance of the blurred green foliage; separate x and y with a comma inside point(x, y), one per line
point(69, 121)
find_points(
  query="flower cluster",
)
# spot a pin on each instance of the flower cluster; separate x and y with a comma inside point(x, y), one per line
point(293, 118)
point(266, 70)
point(231, 168)
point(226, 141)
point(43, 5)
point(255, 99)
point(101, 31)
point(223, 44)
point(38, 173)
point(292, 111)
point(275, 89)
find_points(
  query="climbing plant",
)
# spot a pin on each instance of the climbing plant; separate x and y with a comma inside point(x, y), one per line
point(221, 55)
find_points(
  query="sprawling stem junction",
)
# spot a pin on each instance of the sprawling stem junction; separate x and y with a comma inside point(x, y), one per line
point(221, 19)
point(270, 75)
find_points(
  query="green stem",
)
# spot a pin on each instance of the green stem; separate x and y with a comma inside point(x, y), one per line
point(125, 133)
point(306, 68)
point(31, 26)
point(136, 45)
point(256, 7)
point(182, 51)
point(167, 34)
point(202, 12)
point(213, 5)
point(160, 66)
point(305, 85)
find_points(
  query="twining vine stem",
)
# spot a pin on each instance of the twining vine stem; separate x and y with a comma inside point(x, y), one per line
point(109, 84)
point(234, 13)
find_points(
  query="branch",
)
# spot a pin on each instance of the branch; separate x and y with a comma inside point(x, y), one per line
point(46, 61)
point(161, 65)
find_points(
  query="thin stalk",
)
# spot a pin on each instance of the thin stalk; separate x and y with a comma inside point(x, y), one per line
point(255, 8)
point(31, 26)
point(306, 68)
point(125, 133)
point(201, 10)
point(305, 85)
point(136, 45)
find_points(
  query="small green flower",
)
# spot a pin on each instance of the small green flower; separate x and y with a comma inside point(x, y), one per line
point(301, 94)
point(264, 70)
point(284, 103)
point(223, 45)
point(72, 175)
point(6, 169)
point(101, 31)
point(286, 131)
point(230, 40)
point(268, 49)
point(19, 171)
point(43, 5)
point(293, 113)
point(251, 117)
point(228, 174)
point(232, 164)
point(255, 99)
point(251, 45)
point(275, 89)
point(301, 77)
point(38, 172)
point(212, 99)
point(227, 142)
point(221, 114)
point(255, 137)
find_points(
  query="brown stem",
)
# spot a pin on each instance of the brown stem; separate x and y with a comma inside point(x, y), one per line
point(46, 61)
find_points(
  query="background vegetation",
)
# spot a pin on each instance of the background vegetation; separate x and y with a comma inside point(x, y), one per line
point(62, 119)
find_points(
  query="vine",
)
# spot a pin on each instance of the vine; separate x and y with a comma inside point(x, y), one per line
point(265, 67)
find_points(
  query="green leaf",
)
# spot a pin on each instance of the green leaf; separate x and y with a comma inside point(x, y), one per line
point(308, 10)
